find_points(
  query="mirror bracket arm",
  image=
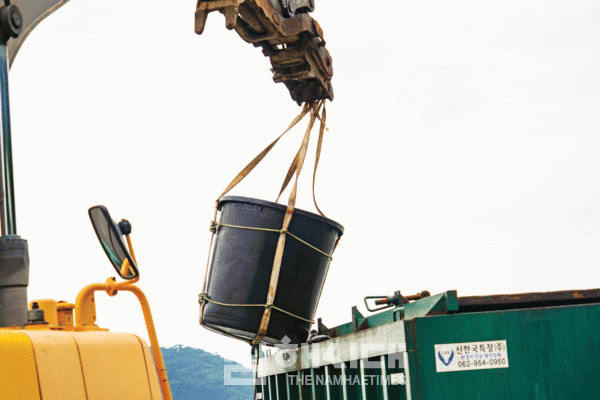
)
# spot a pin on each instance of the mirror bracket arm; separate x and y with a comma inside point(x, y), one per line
point(85, 318)
point(85, 306)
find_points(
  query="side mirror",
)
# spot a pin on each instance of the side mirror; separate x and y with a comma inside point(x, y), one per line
point(110, 237)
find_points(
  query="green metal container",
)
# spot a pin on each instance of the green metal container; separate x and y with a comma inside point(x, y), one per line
point(539, 346)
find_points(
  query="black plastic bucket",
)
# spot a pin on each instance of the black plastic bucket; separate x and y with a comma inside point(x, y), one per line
point(242, 261)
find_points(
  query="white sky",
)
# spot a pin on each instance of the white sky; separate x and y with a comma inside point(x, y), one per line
point(462, 151)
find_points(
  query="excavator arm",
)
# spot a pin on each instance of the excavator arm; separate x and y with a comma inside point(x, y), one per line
point(19, 17)
point(290, 37)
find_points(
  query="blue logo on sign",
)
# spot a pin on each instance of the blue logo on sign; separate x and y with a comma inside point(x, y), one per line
point(450, 357)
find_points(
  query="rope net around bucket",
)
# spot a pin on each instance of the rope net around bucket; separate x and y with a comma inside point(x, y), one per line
point(214, 224)
point(203, 297)
point(317, 112)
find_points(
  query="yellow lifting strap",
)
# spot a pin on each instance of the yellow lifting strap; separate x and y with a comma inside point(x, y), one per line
point(294, 167)
point(243, 173)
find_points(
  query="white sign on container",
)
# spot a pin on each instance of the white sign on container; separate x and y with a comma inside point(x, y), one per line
point(470, 356)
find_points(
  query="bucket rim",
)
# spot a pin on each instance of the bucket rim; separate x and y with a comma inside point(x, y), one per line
point(280, 207)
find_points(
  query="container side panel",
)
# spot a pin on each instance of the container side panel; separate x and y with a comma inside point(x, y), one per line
point(336, 390)
point(305, 386)
point(353, 385)
point(259, 389)
point(281, 386)
point(396, 378)
point(373, 378)
point(320, 383)
point(271, 394)
point(550, 353)
point(293, 386)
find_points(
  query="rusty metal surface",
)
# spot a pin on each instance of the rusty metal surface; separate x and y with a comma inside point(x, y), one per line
point(295, 45)
point(398, 299)
point(528, 300)
point(395, 300)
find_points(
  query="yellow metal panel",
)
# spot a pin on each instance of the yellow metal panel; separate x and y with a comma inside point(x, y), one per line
point(154, 385)
point(58, 364)
point(18, 378)
point(114, 366)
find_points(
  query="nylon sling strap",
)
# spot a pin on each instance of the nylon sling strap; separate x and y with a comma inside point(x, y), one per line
point(238, 179)
point(264, 323)
point(318, 156)
point(263, 153)
point(294, 169)
point(294, 165)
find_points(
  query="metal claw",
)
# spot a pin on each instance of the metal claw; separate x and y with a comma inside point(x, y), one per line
point(200, 22)
point(230, 14)
point(229, 8)
point(294, 43)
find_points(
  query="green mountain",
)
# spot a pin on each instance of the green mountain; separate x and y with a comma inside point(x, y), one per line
point(197, 374)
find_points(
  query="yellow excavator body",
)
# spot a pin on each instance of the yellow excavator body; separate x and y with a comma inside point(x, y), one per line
point(47, 364)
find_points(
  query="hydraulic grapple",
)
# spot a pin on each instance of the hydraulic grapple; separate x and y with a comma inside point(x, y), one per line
point(290, 37)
